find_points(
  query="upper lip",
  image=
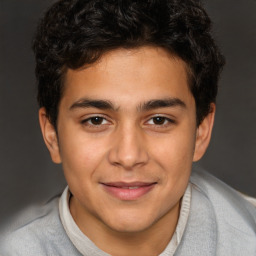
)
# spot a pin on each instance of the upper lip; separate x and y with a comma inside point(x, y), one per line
point(121, 184)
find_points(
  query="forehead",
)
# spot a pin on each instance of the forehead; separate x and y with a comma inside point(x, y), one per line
point(129, 77)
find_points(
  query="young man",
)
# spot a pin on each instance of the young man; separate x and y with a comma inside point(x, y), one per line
point(127, 95)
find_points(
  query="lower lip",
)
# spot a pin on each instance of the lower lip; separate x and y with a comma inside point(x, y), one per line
point(126, 194)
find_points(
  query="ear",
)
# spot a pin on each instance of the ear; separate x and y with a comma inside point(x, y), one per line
point(50, 136)
point(203, 134)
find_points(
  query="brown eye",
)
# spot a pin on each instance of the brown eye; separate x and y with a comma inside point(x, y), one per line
point(97, 120)
point(159, 120)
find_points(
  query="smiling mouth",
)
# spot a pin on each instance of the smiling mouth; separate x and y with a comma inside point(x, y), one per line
point(128, 191)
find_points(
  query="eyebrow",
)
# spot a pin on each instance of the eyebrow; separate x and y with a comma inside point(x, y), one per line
point(88, 103)
point(161, 103)
point(146, 106)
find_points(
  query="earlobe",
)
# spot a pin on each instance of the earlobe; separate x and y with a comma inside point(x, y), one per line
point(203, 135)
point(49, 135)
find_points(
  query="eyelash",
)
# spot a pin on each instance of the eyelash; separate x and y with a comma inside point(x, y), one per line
point(87, 120)
point(166, 121)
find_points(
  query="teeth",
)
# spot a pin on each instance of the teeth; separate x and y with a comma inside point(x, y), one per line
point(133, 187)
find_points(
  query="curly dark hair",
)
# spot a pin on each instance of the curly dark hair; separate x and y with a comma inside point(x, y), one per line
point(77, 32)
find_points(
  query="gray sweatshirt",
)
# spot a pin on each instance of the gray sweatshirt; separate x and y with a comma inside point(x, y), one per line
point(220, 222)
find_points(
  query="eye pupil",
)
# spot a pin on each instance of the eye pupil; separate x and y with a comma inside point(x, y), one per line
point(97, 120)
point(158, 120)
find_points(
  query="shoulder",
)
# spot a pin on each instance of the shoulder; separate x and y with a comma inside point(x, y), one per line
point(221, 222)
point(38, 231)
point(235, 216)
point(223, 196)
point(219, 192)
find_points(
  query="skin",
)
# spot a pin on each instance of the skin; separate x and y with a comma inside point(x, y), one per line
point(108, 131)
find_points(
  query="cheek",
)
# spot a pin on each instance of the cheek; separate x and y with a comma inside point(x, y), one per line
point(81, 160)
point(81, 155)
point(174, 155)
point(176, 150)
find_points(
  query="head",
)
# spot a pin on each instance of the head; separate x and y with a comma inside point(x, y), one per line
point(75, 33)
point(127, 92)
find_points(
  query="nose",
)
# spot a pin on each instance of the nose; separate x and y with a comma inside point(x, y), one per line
point(128, 149)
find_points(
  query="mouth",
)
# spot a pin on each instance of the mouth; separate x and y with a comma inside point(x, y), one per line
point(128, 191)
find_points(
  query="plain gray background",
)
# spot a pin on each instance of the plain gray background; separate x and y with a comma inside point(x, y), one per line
point(27, 174)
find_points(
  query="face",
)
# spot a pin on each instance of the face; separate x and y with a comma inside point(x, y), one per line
point(127, 137)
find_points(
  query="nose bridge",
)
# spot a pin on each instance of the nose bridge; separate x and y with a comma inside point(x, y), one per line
point(128, 149)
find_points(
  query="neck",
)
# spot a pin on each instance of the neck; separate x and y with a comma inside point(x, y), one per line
point(149, 242)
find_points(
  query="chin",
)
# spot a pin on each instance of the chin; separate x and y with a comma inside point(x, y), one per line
point(130, 227)
point(129, 223)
